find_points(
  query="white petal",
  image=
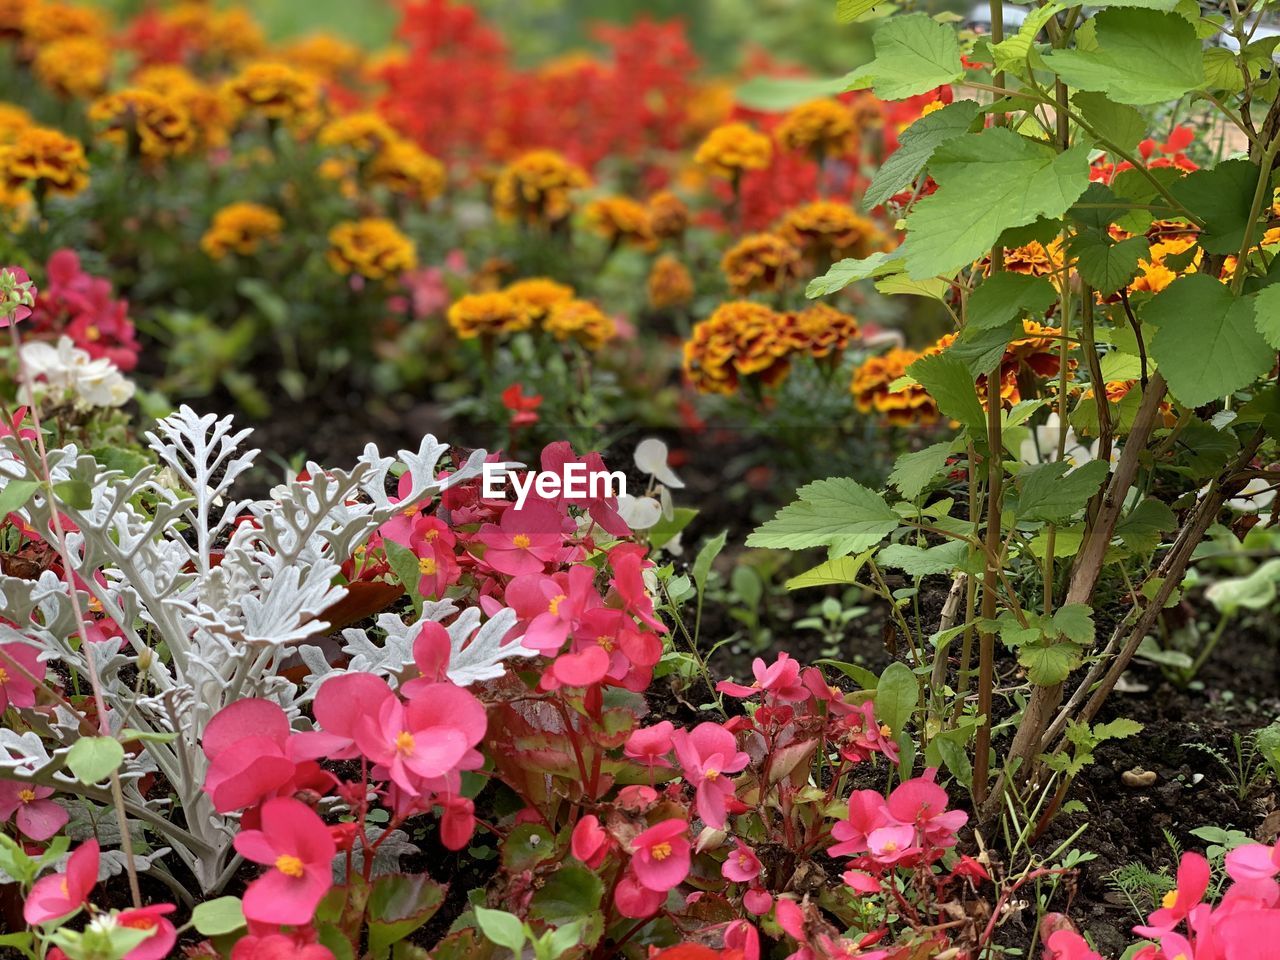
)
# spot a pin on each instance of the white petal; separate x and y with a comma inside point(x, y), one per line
point(651, 458)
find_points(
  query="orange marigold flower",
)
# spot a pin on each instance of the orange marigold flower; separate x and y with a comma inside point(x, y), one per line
point(47, 22)
point(212, 112)
point(536, 187)
point(537, 295)
point(1117, 390)
point(760, 262)
point(822, 331)
point(710, 105)
point(668, 215)
point(241, 228)
point(276, 91)
point(406, 169)
point(740, 339)
point(13, 120)
point(374, 248)
point(1157, 273)
point(871, 390)
point(74, 67)
point(822, 128)
point(670, 284)
point(1035, 259)
point(13, 16)
point(620, 220)
point(229, 35)
point(364, 132)
point(323, 54)
point(732, 148)
point(580, 320)
point(46, 160)
point(487, 315)
point(159, 125)
point(826, 230)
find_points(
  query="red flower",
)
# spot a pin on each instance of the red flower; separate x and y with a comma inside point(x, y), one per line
point(278, 946)
point(297, 845)
point(154, 918)
point(523, 406)
point(245, 743)
point(60, 894)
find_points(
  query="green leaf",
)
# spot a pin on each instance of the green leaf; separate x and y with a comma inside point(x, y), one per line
point(924, 561)
point(1054, 491)
point(859, 675)
point(398, 905)
point(1141, 57)
point(826, 511)
point(981, 350)
point(93, 759)
point(1257, 591)
point(771, 94)
point(1007, 296)
point(572, 892)
point(1075, 622)
point(148, 736)
point(897, 694)
point(1105, 265)
point(848, 11)
point(664, 531)
point(837, 571)
point(951, 385)
point(916, 145)
point(15, 495)
point(1118, 729)
point(128, 462)
point(213, 918)
point(914, 54)
point(1119, 124)
point(1049, 663)
point(501, 928)
point(914, 471)
point(74, 493)
point(1140, 530)
point(844, 272)
point(707, 556)
point(1011, 53)
point(987, 183)
point(1223, 198)
point(1206, 342)
point(1266, 317)
point(404, 564)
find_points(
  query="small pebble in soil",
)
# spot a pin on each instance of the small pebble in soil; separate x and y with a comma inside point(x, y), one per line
point(1138, 778)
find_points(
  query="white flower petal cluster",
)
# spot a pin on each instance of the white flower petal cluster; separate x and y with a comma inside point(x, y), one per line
point(67, 368)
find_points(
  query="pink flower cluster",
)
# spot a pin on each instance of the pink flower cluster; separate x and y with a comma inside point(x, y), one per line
point(82, 306)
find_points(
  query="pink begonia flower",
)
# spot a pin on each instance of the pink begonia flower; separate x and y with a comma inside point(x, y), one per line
point(61, 894)
point(552, 607)
point(432, 651)
point(922, 802)
point(742, 936)
point(38, 817)
point(1068, 945)
point(1193, 880)
point(154, 918)
point(662, 856)
point(706, 755)
point(246, 743)
point(628, 562)
point(457, 821)
point(758, 901)
point(603, 510)
point(1248, 934)
point(15, 689)
point(637, 797)
point(1253, 861)
point(633, 899)
point(278, 946)
point(581, 669)
point(861, 881)
point(590, 842)
point(891, 844)
point(650, 745)
point(342, 703)
point(523, 541)
point(867, 813)
point(781, 681)
point(426, 738)
point(742, 865)
point(299, 848)
point(18, 312)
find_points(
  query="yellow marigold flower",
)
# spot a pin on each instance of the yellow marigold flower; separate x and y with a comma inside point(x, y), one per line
point(538, 295)
point(13, 16)
point(276, 91)
point(822, 331)
point(670, 284)
point(740, 339)
point(241, 228)
point(13, 120)
point(823, 128)
point(16, 207)
point(711, 105)
point(760, 262)
point(235, 35)
point(1029, 361)
point(374, 248)
point(933, 106)
point(668, 216)
point(364, 132)
point(870, 389)
point(1155, 274)
point(536, 187)
point(46, 160)
point(1035, 259)
point(323, 54)
point(487, 314)
point(405, 168)
point(162, 127)
point(1117, 390)
point(212, 113)
point(732, 148)
point(580, 320)
point(620, 219)
point(74, 67)
point(826, 230)
point(48, 22)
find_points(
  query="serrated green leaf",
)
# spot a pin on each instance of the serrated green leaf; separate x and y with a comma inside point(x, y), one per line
point(914, 54)
point(1049, 663)
point(951, 385)
point(981, 349)
point(1118, 729)
point(844, 272)
point(847, 11)
point(1142, 57)
point(914, 471)
point(832, 572)
point(1119, 124)
point(828, 510)
point(1011, 53)
point(924, 561)
point(1206, 342)
point(1222, 197)
point(1075, 622)
point(1054, 491)
point(572, 891)
point(501, 928)
point(1105, 265)
point(1007, 296)
point(1266, 316)
point(987, 183)
point(93, 759)
point(916, 145)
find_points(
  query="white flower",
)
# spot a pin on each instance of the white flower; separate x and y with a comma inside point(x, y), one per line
point(651, 458)
point(639, 513)
point(93, 383)
point(1042, 445)
point(1256, 496)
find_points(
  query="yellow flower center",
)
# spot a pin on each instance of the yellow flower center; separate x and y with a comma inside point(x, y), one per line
point(27, 796)
point(92, 333)
point(890, 847)
point(404, 742)
point(885, 730)
point(521, 541)
point(711, 774)
point(660, 851)
point(606, 644)
point(4, 675)
point(744, 861)
point(1169, 899)
point(141, 922)
point(410, 511)
point(430, 536)
point(553, 607)
point(427, 566)
point(289, 865)
point(360, 551)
